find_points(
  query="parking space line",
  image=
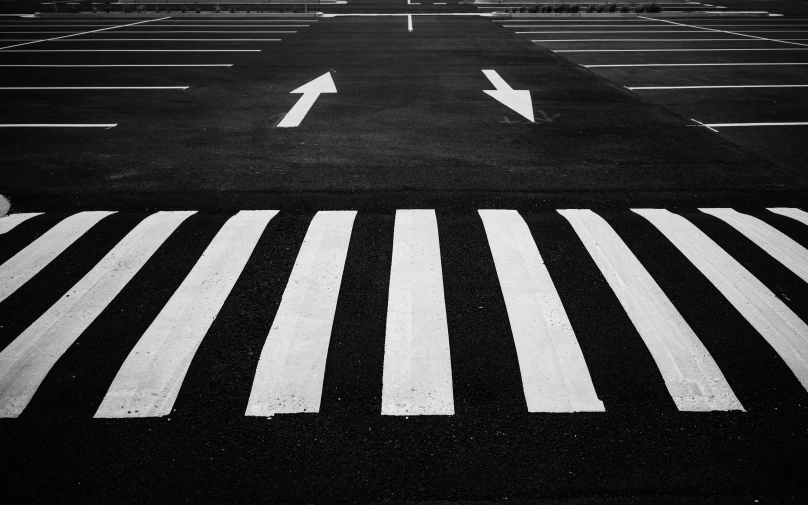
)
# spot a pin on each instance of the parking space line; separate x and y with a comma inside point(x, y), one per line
point(83, 33)
point(689, 65)
point(733, 33)
point(721, 87)
point(601, 31)
point(46, 125)
point(643, 40)
point(75, 88)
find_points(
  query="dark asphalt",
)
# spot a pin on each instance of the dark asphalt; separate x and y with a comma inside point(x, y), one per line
point(409, 127)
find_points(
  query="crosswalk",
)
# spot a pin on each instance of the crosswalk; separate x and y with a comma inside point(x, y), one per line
point(417, 379)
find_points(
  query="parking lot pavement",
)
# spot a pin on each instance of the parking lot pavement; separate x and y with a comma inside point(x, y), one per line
point(747, 75)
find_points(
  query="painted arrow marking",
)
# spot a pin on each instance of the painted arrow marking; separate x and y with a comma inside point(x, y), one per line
point(310, 91)
point(516, 99)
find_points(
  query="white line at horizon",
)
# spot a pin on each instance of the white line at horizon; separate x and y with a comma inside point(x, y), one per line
point(721, 87)
point(53, 125)
point(132, 51)
point(79, 88)
point(727, 125)
point(122, 65)
point(688, 65)
point(644, 40)
point(83, 33)
point(178, 32)
point(160, 40)
point(584, 32)
point(678, 49)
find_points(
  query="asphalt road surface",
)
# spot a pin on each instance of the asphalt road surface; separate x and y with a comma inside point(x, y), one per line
point(401, 283)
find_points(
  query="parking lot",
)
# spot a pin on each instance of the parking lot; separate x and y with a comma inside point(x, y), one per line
point(744, 79)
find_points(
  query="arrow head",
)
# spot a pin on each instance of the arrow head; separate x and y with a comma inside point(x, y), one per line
point(323, 84)
point(518, 100)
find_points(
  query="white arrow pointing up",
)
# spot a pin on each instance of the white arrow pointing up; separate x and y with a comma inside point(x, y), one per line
point(310, 91)
point(516, 99)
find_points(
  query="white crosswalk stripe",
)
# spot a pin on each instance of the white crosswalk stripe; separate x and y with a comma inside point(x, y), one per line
point(693, 379)
point(781, 328)
point(28, 262)
point(554, 373)
point(417, 364)
point(289, 378)
point(785, 250)
point(27, 360)
point(8, 223)
point(150, 379)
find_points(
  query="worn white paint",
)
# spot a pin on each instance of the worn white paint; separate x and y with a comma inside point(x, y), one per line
point(11, 221)
point(290, 372)
point(691, 376)
point(517, 100)
point(779, 245)
point(53, 125)
point(772, 318)
point(38, 254)
point(796, 214)
point(25, 363)
point(148, 382)
point(555, 377)
point(417, 378)
point(311, 91)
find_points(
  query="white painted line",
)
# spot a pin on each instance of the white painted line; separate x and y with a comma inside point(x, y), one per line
point(161, 25)
point(692, 65)
point(176, 32)
point(720, 87)
point(611, 31)
point(677, 50)
point(74, 88)
point(25, 363)
point(51, 125)
point(780, 246)
point(170, 40)
point(311, 91)
point(643, 40)
point(82, 33)
point(148, 382)
point(555, 377)
point(730, 32)
point(704, 125)
point(11, 221)
point(691, 376)
point(131, 51)
point(726, 125)
point(781, 328)
point(113, 65)
point(409, 22)
point(417, 377)
point(795, 214)
point(38, 254)
point(290, 372)
point(518, 100)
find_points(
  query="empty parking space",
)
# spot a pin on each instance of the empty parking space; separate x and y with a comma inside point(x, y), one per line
point(744, 77)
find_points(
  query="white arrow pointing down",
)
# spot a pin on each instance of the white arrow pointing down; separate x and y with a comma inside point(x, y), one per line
point(516, 99)
point(310, 91)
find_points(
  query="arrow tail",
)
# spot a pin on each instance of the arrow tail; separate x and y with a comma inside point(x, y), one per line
point(498, 82)
point(298, 111)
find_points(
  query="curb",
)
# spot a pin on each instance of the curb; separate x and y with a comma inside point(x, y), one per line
point(135, 17)
point(699, 14)
point(4, 206)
